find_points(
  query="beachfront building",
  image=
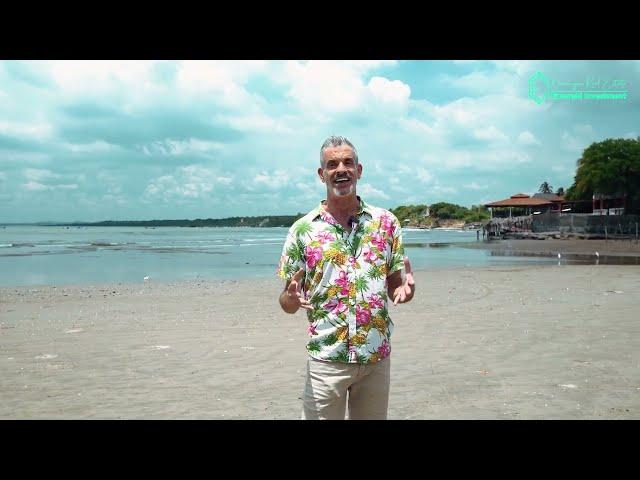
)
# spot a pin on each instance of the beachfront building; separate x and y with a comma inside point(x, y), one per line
point(521, 204)
point(557, 201)
point(608, 204)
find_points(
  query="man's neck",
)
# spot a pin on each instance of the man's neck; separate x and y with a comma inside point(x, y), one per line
point(343, 208)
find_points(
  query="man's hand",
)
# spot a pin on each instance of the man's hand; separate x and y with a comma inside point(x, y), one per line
point(404, 292)
point(291, 299)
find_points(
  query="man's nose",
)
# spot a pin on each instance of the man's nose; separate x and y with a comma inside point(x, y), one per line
point(341, 167)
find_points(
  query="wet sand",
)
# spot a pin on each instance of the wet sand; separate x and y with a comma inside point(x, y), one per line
point(609, 251)
point(532, 342)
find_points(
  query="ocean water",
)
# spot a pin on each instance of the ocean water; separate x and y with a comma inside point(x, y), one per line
point(48, 255)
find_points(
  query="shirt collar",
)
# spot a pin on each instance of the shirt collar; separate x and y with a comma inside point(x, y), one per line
point(364, 208)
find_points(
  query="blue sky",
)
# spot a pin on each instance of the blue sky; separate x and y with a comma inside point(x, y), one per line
point(123, 140)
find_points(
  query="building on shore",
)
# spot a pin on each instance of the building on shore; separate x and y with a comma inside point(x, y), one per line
point(522, 204)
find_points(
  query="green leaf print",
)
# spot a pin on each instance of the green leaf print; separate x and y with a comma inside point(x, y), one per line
point(375, 273)
point(302, 228)
point(343, 356)
point(330, 339)
point(313, 346)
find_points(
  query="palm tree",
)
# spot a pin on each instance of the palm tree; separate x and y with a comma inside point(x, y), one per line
point(545, 188)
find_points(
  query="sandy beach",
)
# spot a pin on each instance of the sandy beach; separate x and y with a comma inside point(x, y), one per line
point(532, 342)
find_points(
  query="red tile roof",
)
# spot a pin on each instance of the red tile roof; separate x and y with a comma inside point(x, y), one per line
point(519, 202)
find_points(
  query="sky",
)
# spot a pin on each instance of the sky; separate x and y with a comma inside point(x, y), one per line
point(141, 140)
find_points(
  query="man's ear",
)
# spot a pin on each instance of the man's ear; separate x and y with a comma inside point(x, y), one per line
point(320, 172)
point(359, 170)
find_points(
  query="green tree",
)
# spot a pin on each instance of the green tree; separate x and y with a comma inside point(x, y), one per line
point(545, 188)
point(447, 211)
point(560, 192)
point(610, 167)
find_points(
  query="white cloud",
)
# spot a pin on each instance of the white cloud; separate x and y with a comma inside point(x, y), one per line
point(39, 175)
point(82, 77)
point(484, 83)
point(395, 93)
point(222, 81)
point(423, 175)
point(274, 181)
point(190, 182)
point(413, 125)
point(368, 191)
point(35, 131)
point(528, 138)
point(442, 190)
point(571, 143)
point(490, 134)
point(181, 147)
point(38, 178)
point(97, 146)
point(34, 186)
point(475, 186)
point(257, 121)
point(485, 160)
point(325, 85)
point(519, 67)
point(585, 130)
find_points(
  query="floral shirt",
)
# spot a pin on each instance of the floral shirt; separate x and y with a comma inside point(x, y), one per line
point(346, 281)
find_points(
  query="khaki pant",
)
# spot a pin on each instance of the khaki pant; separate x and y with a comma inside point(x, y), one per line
point(328, 383)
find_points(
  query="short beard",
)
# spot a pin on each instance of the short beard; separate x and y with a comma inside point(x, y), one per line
point(337, 192)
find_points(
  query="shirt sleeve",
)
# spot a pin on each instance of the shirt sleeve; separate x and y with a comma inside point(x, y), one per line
point(292, 258)
point(396, 258)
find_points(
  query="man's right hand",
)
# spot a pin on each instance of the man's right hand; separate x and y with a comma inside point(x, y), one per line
point(292, 298)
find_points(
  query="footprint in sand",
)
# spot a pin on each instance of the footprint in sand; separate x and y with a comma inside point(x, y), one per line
point(46, 356)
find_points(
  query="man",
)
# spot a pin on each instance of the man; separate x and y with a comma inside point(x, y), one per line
point(342, 262)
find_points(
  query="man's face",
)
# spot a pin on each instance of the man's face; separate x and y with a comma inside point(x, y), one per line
point(340, 172)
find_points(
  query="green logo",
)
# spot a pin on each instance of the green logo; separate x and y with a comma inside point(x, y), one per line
point(542, 88)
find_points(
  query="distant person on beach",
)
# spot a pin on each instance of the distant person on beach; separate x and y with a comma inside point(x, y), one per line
point(342, 263)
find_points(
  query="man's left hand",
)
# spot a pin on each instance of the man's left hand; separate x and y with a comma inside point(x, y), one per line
point(405, 292)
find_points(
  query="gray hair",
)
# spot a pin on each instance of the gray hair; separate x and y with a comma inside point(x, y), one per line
point(336, 141)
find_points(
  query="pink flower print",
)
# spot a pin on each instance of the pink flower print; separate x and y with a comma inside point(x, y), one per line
point(335, 306)
point(324, 237)
point(384, 350)
point(375, 301)
point(328, 218)
point(343, 282)
point(352, 261)
point(370, 256)
point(387, 225)
point(313, 255)
point(379, 241)
point(312, 329)
point(363, 315)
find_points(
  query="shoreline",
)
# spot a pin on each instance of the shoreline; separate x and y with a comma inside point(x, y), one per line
point(552, 246)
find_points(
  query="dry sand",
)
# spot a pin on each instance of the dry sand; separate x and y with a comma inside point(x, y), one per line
point(541, 342)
